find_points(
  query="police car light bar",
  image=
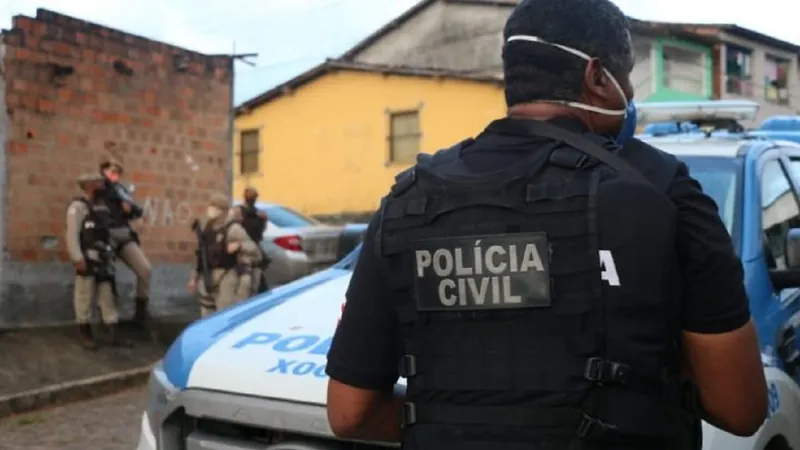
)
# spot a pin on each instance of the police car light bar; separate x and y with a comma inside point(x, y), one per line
point(733, 110)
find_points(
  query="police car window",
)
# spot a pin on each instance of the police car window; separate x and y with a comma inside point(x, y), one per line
point(794, 169)
point(779, 212)
point(286, 218)
point(719, 178)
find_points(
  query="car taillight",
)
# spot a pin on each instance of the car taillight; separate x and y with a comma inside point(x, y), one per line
point(289, 243)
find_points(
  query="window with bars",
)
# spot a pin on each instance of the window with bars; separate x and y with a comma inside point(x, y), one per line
point(249, 151)
point(776, 80)
point(738, 71)
point(684, 69)
point(404, 137)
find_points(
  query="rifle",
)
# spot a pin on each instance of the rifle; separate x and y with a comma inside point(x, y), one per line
point(202, 257)
point(122, 194)
point(104, 269)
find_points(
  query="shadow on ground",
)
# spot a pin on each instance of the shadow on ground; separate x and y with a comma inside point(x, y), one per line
point(33, 358)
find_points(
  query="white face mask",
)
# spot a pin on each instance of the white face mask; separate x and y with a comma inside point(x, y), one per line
point(579, 54)
point(212, 212)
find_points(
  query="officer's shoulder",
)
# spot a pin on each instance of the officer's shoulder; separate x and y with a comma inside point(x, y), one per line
point(78, 203)
point(236, 226)
point(200, 222)
point(656, 165)
point(406, 178)
point(403, 181)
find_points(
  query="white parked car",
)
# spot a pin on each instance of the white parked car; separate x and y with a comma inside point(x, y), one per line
point(296, 244)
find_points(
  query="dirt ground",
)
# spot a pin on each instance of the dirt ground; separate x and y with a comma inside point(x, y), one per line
point(35, 358)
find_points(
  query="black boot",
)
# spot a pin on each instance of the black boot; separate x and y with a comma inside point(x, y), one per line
point(86, 336)
point(114, 339)
point(140, 317)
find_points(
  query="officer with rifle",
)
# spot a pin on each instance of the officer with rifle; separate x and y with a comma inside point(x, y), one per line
point(126, 241)
point(553, 283)
point(90, 248)
point(255, 223)
point(225, 256)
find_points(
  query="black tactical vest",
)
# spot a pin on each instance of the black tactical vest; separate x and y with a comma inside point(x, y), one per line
point(252, 224)
point(512, 340)
point(215, 243)
point(118, 218)
point(95, 239)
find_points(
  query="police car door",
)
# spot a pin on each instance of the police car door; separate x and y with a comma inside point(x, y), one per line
point(780, 187)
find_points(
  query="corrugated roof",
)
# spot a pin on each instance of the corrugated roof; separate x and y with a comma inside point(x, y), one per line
point(334, 65)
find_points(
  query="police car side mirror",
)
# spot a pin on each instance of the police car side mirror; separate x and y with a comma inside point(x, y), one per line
point(792, 246)
point(790, 276)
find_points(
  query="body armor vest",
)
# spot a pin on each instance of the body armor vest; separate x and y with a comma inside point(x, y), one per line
point(512, 338)
point(215, 241)
point(252, 224)
point(95, 240)
point(117, 217)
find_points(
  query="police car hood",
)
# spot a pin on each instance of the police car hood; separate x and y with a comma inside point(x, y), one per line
point(273, 346)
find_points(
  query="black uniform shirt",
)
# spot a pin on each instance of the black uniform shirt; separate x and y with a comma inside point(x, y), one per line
point(366, 348)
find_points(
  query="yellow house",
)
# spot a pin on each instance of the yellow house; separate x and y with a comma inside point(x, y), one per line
point(331, 140)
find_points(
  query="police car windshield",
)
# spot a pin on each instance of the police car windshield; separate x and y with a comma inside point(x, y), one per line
point(720, 178)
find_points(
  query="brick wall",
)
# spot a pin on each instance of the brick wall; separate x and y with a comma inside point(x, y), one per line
point(76, 92)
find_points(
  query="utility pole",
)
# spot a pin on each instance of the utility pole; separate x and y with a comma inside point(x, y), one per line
point(243, 57)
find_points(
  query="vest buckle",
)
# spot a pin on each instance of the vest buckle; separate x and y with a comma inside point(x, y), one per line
point(592, 428)
point(409, 415)
point(408, 366)
point(601, 370)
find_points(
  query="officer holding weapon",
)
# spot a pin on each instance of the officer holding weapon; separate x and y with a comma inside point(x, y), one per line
point(225, 256)
point(90, 249)
point(255, 223)
point(123, 210)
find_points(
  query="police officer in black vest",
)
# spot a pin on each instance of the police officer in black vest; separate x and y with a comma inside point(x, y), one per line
point(255, 223)
point(126, 240)
point(541, 288)
point(90, 249)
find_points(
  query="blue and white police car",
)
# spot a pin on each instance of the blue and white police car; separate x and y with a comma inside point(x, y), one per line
point(253, 376)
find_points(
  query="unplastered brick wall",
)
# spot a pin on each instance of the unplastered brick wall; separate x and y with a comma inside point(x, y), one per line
point(77, 92)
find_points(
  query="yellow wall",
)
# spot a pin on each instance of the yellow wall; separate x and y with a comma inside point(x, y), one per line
point(324, 147)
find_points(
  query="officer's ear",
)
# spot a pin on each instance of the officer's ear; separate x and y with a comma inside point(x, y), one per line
point(597, 83)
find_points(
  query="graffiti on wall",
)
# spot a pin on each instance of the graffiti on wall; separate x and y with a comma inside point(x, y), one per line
point(165, 212)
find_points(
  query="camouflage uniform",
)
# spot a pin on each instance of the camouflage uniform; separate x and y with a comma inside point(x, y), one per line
point(229, 272)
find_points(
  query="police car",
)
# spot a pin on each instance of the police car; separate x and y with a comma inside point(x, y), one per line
point(253, 376)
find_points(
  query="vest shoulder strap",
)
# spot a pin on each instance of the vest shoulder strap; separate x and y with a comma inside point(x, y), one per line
point(585, 145)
